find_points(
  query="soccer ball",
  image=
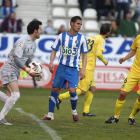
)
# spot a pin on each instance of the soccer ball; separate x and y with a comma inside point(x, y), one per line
point(35, 66)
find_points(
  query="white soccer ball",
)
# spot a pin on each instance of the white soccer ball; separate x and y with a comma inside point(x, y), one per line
point(35, 66)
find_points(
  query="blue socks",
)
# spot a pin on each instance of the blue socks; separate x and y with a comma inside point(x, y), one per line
point(73, 99)
point(54, 97)
point(52, 101)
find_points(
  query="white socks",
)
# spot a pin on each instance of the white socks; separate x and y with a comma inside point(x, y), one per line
point(9, 104)
point(3, 97)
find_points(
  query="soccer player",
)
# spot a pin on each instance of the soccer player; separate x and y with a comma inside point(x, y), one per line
point(86, 86)
point(71, 45)
point(17, 58)
point(132, 79)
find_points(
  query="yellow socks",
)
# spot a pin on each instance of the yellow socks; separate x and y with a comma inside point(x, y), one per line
point(88, 99)
point(136, 109)
point(118, 107)
point(67, 95)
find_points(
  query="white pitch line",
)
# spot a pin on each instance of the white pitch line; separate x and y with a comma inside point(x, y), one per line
point(53, 134)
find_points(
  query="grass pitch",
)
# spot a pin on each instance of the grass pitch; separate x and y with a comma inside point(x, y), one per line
point(35, 101)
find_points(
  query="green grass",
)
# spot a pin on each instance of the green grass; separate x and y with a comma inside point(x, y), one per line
point(35, 101)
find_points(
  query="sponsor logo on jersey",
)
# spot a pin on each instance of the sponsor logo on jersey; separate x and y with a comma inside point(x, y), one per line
point(21, 44)
point(69, 51)
point(76, 41)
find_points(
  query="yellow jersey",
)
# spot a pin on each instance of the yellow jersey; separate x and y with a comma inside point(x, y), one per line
point(96, 46)
point(136, 64)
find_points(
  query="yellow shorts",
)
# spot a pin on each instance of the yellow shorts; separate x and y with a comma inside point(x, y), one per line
point(88, 81)
point(130, 82)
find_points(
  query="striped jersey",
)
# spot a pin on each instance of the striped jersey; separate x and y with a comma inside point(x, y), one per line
point(71, 47)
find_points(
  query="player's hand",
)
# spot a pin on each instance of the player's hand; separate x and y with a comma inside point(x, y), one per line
point(51, 68)
point(106, 63)
point(121, 60)
point(31, 72)
point(81, 74)
point(34, 74)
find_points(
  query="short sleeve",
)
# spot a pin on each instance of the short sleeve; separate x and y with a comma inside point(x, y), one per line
point(19, 48)
point(84, 46)
point(101, 46)
point(56, 44)
point(135, 43)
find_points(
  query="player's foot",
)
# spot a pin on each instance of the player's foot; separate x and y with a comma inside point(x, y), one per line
point(112, 119)
point(131, 121)
point(58, 103)
point(3, 121)
point(49, 116)
point(75, 115)
point(88, 114)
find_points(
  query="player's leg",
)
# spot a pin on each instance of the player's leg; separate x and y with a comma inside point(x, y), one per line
point(73, 100)
point(4, 97)
point(72, 76)
point(79, 91)
point(52, 102)
point(136, 108)
point(14, 90)
point(119, 103)
point(8, 93)
point(88, 85)
point(128, 84)
point(88, 99)
point(58, 82)
point(67, 95)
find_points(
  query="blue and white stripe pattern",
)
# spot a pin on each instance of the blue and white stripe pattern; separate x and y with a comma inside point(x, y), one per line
point(71, 47)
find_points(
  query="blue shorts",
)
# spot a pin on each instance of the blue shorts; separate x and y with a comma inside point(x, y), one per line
point(65, 74)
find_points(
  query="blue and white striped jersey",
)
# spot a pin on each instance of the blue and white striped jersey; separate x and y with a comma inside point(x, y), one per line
point(71, 47)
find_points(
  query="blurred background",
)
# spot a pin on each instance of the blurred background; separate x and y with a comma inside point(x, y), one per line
point(56, 14)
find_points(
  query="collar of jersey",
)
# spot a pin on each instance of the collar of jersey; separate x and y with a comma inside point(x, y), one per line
point(101, 36)
point(29, 38)
point(72, 35)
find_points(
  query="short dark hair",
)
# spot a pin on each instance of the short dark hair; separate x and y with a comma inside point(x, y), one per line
point(105, 28)
point(75, 18)
point(34, 24)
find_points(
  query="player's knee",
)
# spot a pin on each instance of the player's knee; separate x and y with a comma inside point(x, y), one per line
point(56, 90)
point(15, 96)
point(123, 95)
point(72, 90)
point(93, 90)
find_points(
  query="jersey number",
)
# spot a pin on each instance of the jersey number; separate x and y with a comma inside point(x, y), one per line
point(125, 81)
point(90, 43)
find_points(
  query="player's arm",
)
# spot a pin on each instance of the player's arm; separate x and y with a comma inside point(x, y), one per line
point(84, 63)
point(51, 67)
point(129, 55)
point(18, 62)
point(100, 55)
point(55, 48)
point(28, 61)
point(132, 52)
point(20, 46)
point(85, 50)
